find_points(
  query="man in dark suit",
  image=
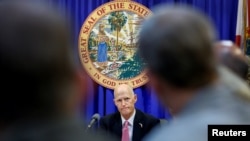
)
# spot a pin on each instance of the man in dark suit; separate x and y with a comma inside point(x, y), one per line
point(139, 123)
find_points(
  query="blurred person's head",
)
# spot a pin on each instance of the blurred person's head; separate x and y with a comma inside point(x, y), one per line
point(125, 99)
point(176, 42)
point(231, 56)
point(38, 74)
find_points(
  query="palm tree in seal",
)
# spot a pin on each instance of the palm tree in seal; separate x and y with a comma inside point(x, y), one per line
point(117, 20)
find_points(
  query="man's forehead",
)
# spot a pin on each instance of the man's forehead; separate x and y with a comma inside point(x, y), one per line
point(122, 94)
point(123, 91)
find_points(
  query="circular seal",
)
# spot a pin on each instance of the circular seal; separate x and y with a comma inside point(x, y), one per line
point(108, 44)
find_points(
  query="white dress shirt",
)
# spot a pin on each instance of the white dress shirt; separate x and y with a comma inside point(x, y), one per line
point(130, 124)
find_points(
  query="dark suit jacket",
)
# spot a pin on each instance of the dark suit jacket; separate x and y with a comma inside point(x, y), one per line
point(143, 124)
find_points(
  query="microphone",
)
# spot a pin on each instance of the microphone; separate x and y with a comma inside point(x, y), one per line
point(94, 119)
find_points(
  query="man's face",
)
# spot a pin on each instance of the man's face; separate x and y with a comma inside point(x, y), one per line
point(125, 100)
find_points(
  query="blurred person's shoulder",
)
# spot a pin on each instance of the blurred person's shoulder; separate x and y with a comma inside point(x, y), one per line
point(235, 84)
point(191, 127)
point(174, 129)
point(52, 131)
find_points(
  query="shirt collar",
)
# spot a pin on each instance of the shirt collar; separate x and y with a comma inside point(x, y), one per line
point(130, 120)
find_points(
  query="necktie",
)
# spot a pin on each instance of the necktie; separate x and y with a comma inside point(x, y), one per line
point(125, 132)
